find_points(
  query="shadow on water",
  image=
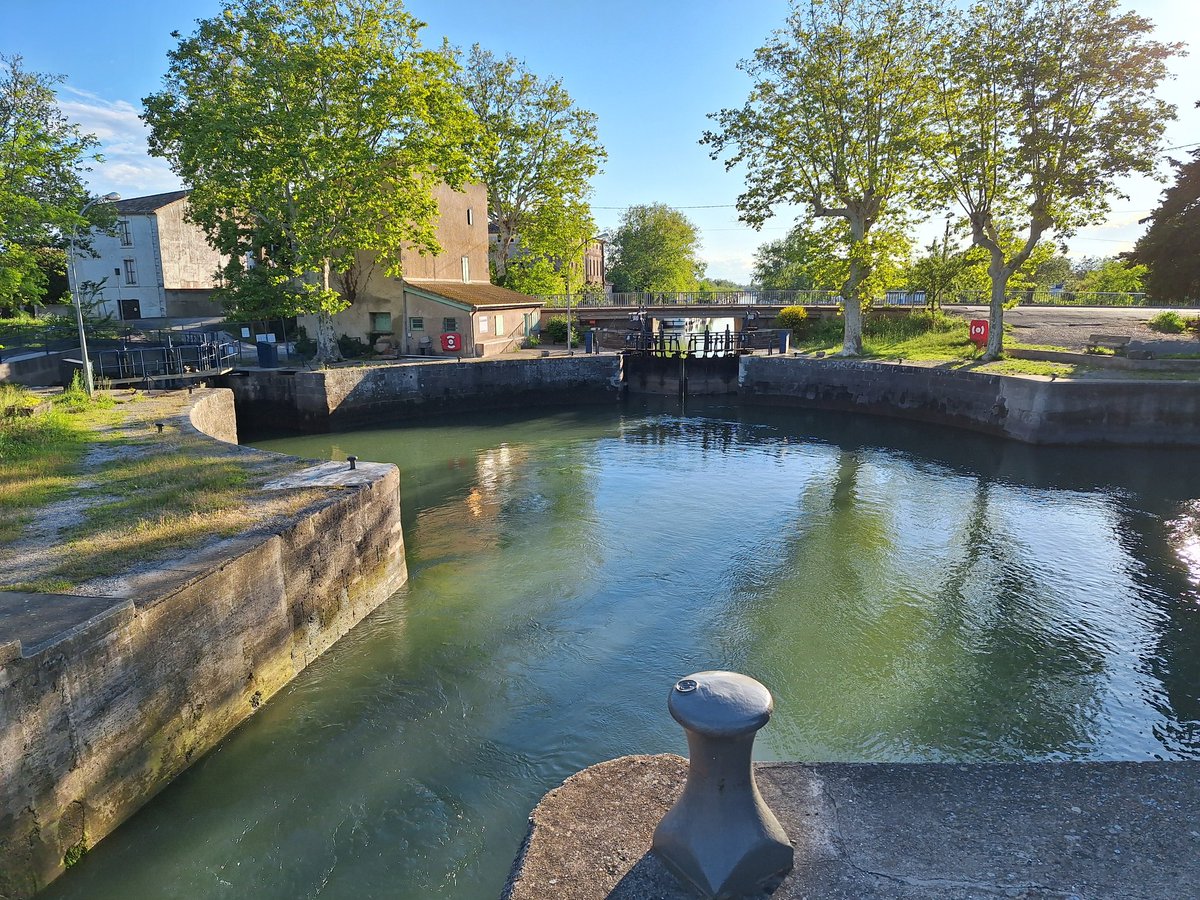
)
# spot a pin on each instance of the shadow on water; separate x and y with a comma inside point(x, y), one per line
point(908, 593)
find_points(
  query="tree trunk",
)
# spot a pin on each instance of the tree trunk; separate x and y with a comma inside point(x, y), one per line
point(852, 341)
point(503, 250)
point(327, 348)
point(1000, 273)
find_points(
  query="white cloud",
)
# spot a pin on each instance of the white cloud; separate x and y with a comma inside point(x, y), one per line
point(127, 166)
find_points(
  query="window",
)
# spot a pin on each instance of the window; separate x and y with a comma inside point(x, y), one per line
point(416, 323)
point(381, 322)
point(466, 264)
point(130, 271)
point(499, 326)
point(124, 234)
point(450, 324)
point(470, 216)
point(483, 325)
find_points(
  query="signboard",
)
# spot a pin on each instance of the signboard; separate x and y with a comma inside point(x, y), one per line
point(979, 331)
point(245, 332)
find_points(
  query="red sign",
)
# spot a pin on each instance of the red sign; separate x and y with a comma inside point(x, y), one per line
point(979, 331)
point(452, 341)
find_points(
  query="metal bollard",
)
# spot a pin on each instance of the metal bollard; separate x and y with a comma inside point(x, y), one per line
point(720, 837)
point(159, 426)
point(352, 460)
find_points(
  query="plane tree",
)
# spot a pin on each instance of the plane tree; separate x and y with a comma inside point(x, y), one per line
point(310, 131)
point(1170, 248)
point(1034, 132)
point(538, 153)
point(836, 122)
point(44, 159)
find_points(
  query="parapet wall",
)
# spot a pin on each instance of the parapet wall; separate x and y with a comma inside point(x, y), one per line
point(97, 721)
point(335, 399)
point(1035, 410)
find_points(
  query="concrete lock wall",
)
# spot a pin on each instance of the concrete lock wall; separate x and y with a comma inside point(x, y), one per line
point(334, 399)
point(95, 723)
point(1034, 410)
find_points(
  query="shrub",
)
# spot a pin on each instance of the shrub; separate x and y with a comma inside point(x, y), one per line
point(555, 330)
point(303, 345)
point(352, 347)
point(793, 318)
point(1169, 322)
point(916, 323)
point(532, 340)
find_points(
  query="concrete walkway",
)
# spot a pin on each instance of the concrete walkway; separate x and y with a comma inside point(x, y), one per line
point(1074, 831)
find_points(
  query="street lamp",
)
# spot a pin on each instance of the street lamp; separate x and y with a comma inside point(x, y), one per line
point(83, 351)
point(602, 237)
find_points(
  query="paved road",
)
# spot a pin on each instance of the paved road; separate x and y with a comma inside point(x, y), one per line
point(1070, 326)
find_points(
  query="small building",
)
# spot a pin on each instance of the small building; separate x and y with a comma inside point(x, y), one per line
point(442, 305)
point(156, 265)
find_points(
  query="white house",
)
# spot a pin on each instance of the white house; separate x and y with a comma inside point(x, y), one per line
point(156, 265)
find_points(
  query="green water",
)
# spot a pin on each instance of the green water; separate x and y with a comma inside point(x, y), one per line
point(907, 593)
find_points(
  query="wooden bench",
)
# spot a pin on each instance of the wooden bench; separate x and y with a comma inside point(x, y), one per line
point(1113, 342)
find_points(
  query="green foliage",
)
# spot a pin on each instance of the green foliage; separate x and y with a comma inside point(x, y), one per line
point(656, 248)
point(555, 330)
point(311, 130)
point(946, 268)
point(836, 121)
point(538, 153)
point(1168, 322)
point(1034, 132)
point(43, 161)
point(793, 318)
point(352, 347)
point(1114, 276)
point(1170, 248)
point(75, 853)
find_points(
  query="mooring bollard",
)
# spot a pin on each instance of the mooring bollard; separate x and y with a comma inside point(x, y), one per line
point(720, 837)
point(353, 460)
point(159, 426)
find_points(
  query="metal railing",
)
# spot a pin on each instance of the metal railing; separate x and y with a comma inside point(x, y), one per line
point(182, 356)
point(896, 298)
point(706, 343)
point(1049, 298)
point(635, 299)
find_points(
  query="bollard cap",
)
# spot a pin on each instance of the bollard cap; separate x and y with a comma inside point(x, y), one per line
point(720, 704)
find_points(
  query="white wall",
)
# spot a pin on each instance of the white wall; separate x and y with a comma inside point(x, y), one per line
point(143, 251)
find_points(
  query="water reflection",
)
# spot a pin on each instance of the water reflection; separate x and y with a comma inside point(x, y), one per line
point(908, 593)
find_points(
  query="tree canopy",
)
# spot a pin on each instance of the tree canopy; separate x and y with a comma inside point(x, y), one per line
point(656, 248)
point(1170, 248)
point(1034, 131)
point(309, 130)
point(43, 158)
point(537, 156)
point(835, 121)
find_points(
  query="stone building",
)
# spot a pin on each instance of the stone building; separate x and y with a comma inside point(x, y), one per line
point(444, 304)
point(156, 265)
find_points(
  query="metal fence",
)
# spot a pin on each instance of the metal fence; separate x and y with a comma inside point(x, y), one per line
point(897, 298)
point(692, 298)
point(180, 356)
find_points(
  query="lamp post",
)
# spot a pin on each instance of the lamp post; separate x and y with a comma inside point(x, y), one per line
point(602, 237)
point(83, 351)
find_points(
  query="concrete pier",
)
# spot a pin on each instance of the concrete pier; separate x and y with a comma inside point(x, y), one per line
point(1074, 831)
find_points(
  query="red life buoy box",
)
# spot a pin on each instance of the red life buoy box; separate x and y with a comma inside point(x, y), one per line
point(452, 341)
point(979, 331)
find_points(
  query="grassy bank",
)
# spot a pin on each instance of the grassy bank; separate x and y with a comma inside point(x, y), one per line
point(920, 337)
point(90, 489)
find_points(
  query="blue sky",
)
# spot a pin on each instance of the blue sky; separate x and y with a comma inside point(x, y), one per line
point(651, 70)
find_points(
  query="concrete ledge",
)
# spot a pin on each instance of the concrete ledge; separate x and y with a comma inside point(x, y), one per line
point(98, 717)
point(1062, 830)
point(1032, 409)
point(341, 398)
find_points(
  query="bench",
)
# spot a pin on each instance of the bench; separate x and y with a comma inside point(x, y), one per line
point(1113, 342)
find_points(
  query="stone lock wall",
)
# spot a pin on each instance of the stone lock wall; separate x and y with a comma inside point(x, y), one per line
point(101, 719)
point(333, 399)
point(1033, 410)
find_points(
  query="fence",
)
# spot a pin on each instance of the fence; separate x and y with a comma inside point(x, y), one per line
point(181, 355)
point(897, 298)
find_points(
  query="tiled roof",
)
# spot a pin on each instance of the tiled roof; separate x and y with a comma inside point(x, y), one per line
point(474, 294)
point(150, 203)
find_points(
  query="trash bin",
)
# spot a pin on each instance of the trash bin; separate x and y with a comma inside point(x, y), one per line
point(589, 341)
point(268, 355)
